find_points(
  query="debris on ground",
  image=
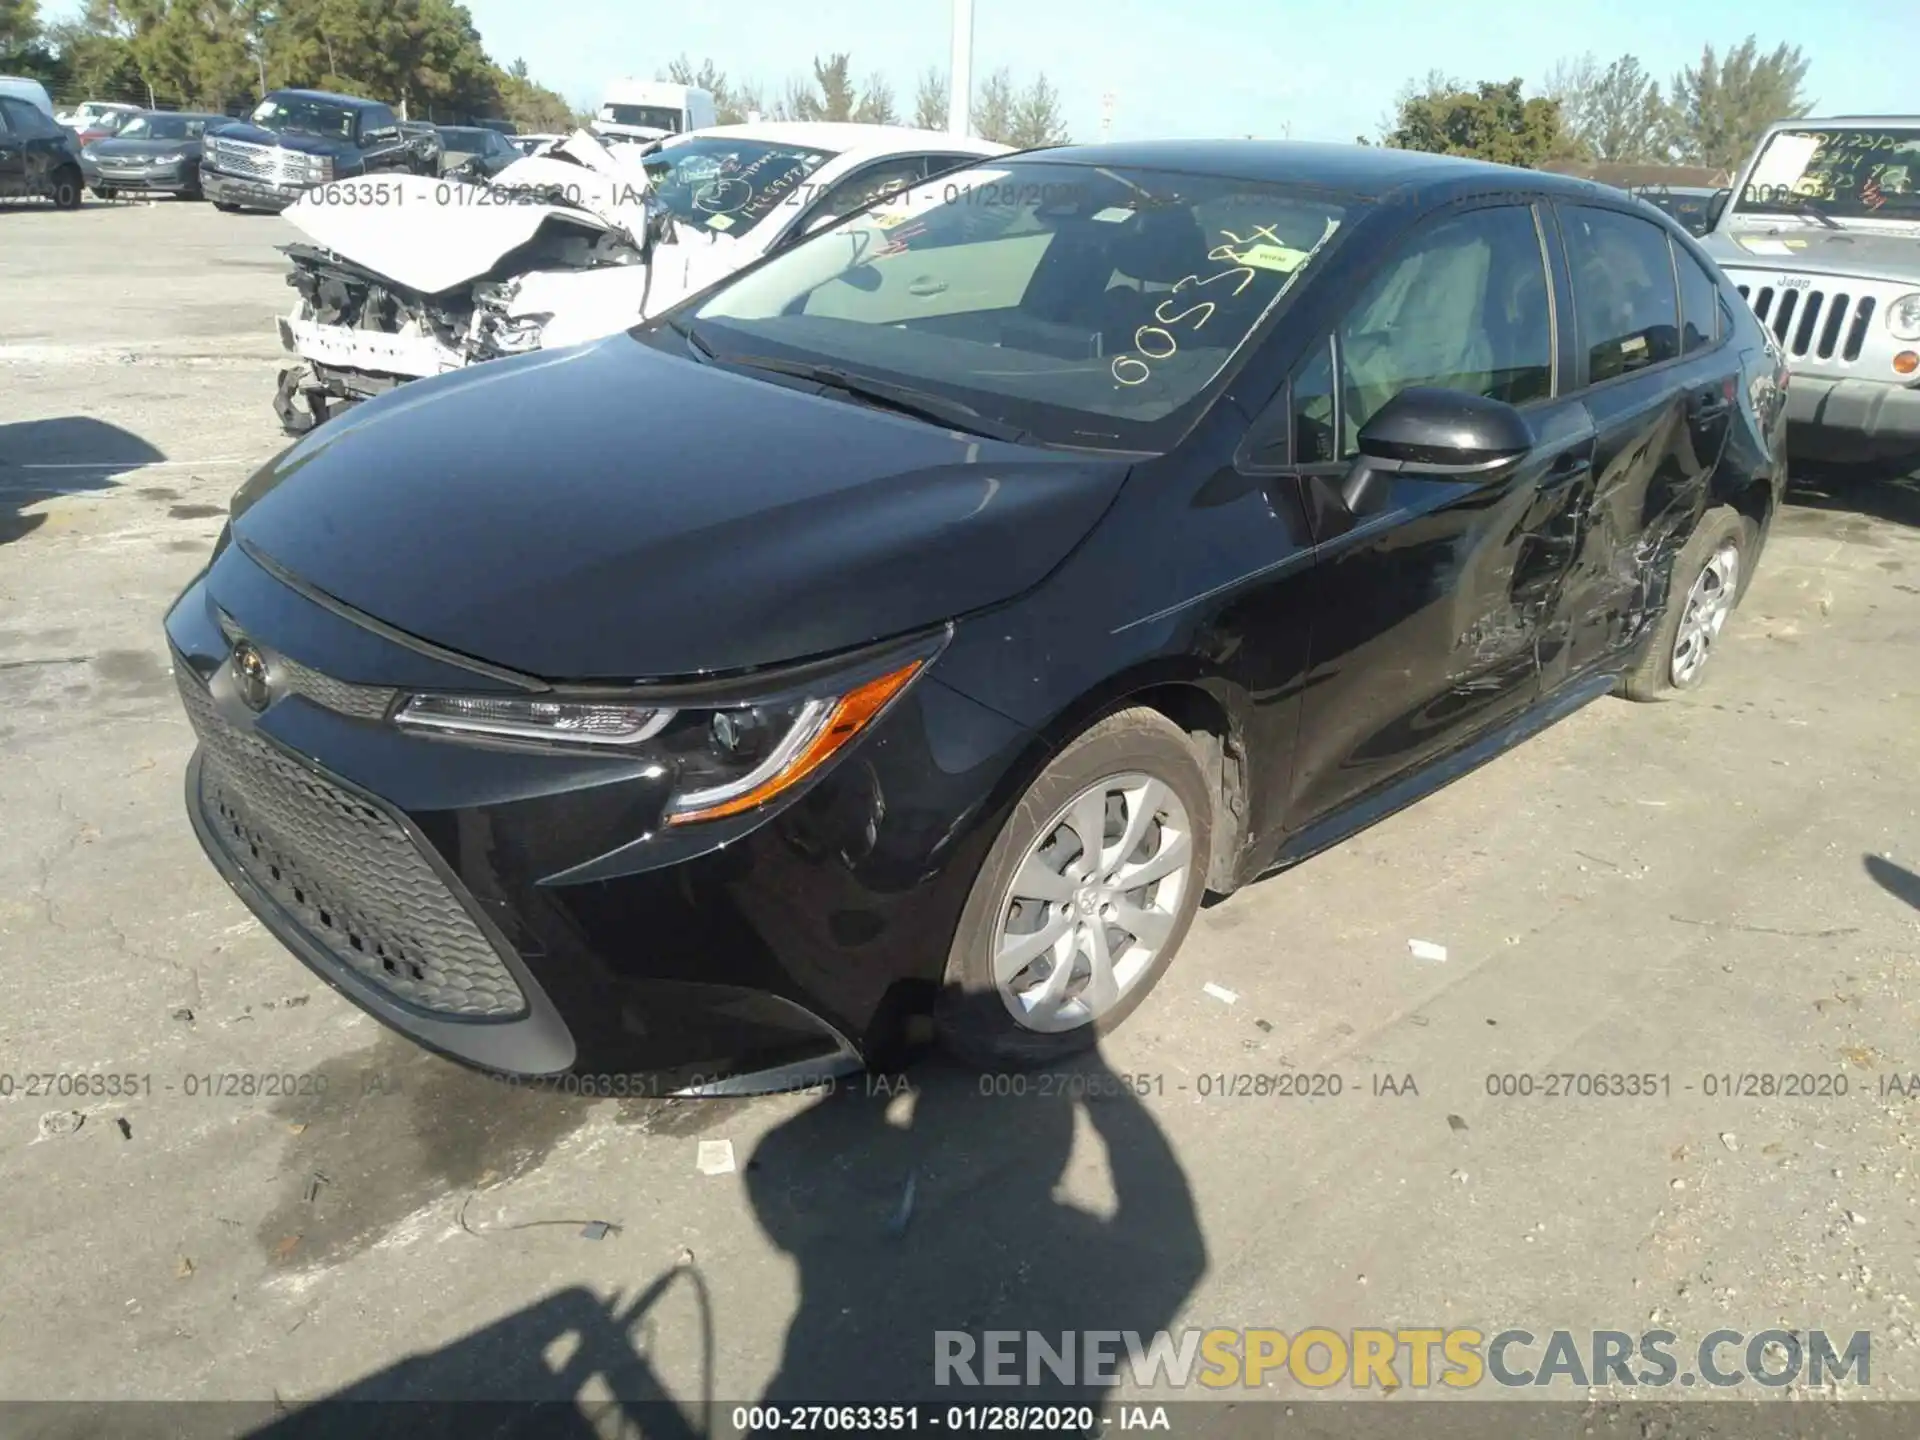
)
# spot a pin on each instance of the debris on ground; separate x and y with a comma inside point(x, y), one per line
point(1730, 1142)
point(1427, 950)
point(182, 1268)
point(60, 1122)
point(715, 1157)
point(314, 1182)
point(126, 1129)
point(1264, 1025)
point(1455, 1122)
point(1220, 993)
point(184, 1015)
point(595, 1230)
point(283, 1252)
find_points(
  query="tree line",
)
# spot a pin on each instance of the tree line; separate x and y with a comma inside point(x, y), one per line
point(424, 57)
point(1003, 111)
point(1710, 114)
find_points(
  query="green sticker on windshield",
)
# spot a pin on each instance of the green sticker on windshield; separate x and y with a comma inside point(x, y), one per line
point(1272, 257)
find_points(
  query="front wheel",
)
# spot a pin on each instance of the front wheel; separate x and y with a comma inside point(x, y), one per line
point(1709, 576)
point(1083, 899)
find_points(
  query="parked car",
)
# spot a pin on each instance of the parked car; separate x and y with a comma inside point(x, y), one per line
point(1822, 235)
point(475, 152)
point(31, 91)
point(423, 146)
point(459, 280)
point(89, 113)
point(155, 151)
point(296, 139)
point(37, 156)
point(1695, 207)
point(926, 616)
point(535, 144)
point(104, 123)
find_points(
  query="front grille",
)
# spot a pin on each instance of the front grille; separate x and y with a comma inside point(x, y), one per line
point(1813, 322)
point(346, 870)
point(290, 677)
point(236, 157)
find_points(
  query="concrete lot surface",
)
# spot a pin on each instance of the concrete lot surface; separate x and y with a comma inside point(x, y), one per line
point(1709, 888)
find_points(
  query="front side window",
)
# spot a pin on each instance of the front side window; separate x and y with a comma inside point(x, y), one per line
point(1623, 290)
point(650, 117)
point(1464, 307)
point(1841, 172)
point(1087, 306)
point(729, 185)
point(869, 185)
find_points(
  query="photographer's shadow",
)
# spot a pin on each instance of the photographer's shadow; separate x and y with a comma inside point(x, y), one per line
point(964, 1206)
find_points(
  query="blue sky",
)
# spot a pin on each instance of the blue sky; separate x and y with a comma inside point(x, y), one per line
point(1226, 67)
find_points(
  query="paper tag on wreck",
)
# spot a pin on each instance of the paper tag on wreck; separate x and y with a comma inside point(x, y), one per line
point(715, 1157)
point(1427, 950)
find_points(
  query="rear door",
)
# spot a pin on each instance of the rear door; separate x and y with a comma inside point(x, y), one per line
point(1429, 611)
point(13, 156)
point(1659, 382)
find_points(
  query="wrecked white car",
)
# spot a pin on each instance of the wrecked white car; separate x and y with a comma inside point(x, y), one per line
point(407, 276)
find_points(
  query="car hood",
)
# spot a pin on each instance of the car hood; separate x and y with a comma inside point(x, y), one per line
point(139, 148)
point(609, 512)
point(1867, 254)
point(286, 139)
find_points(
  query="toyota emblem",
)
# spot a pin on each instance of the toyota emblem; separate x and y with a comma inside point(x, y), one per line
point(250, 676)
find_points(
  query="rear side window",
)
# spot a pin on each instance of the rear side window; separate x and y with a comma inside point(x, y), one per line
point(1623, 291)
point(1699, 302)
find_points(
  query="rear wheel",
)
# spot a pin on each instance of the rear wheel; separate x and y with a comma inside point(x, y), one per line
point(1708, 578)
point(66, 188)
point(1083, 899)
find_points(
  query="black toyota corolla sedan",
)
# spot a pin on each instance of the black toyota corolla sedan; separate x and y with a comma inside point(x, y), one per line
point(919, 622)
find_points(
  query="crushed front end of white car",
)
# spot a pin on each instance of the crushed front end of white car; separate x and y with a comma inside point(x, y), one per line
point(408, 276)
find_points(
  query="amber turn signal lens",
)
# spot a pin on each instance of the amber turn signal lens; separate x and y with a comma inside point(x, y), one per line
point(849, 717)
point(1906, 362)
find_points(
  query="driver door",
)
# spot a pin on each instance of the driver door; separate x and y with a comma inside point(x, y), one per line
point(1431, 607)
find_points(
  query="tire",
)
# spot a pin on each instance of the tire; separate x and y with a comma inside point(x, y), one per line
point(66, 188)
point(225, 209)
point(1665, 669)
point(1131, 758)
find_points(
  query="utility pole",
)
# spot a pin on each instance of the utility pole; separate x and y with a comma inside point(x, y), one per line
point(960, 70)
point(1106, 116)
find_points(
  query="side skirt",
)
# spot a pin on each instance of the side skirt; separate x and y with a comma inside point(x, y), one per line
point(1375, 806)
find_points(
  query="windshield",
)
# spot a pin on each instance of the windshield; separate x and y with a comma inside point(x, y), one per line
point(654, 117)
point(309, 117)
point(728, 185)
point(477, 142)
point(162, 127)
point(1088, 307)
point(1843, 172)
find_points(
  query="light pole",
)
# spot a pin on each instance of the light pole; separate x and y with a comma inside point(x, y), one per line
point(960, 70)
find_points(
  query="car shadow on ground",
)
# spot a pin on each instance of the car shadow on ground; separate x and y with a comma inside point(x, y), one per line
point(1883, 490)
point(1896, 880)
point(71, 454)
point(948, 1201)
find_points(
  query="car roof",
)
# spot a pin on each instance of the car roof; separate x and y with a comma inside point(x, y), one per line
point(1364, 170)
point(851, 135)
point(188, 114)
point(352, 102)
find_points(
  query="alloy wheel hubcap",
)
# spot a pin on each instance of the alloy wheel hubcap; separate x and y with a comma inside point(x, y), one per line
point(1092, 904)
point(1708, 605)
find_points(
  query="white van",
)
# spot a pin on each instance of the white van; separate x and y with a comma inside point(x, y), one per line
point(31, 91)
point(650, 109)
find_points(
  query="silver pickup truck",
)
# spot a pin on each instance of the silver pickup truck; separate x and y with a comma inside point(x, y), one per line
point(1821, 233)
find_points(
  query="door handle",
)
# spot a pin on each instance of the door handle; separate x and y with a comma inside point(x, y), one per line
point(927, 287)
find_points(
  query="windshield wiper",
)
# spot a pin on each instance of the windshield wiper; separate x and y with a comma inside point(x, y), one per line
point(904, 399)
point(1807, 207)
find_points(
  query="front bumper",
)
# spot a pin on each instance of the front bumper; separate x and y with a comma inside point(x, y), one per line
point(513, 910)
point(224, 189)
point(1866, 408)
point(180, 179)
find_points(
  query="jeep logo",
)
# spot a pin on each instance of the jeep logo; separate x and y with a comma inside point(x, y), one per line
point(1794, 282)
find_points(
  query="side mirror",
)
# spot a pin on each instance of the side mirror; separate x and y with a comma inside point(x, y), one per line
point(1428, 431)
point(1717, 206)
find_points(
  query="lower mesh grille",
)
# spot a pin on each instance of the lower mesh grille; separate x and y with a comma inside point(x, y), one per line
point(346, 870)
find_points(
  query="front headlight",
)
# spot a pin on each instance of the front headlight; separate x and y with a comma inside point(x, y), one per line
point(171, 158)
point(1903, 317)
point(725, 758)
